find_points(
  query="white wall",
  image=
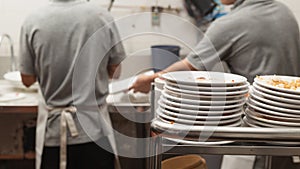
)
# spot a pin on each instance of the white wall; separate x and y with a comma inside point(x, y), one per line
point(294, 5)
point(13, 13)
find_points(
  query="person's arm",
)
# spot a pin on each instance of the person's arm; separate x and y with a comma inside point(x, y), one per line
point(28, 80)
point(143, 82)
point(114, 71)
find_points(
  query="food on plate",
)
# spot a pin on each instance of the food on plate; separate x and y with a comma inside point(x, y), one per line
point(277, 82)
point(201, 78)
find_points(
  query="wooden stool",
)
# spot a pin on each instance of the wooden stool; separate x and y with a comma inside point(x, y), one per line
point(185, 162)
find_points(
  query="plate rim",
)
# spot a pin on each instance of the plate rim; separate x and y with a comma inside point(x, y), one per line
point(168, 77)
point(206, 93)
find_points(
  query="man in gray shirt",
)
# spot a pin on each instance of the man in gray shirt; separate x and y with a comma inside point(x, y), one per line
point(71, 48)
point(258, 37)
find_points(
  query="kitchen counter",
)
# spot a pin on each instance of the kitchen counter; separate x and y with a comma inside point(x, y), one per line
point(29, 100)
point(129, 118)
point(26, 99)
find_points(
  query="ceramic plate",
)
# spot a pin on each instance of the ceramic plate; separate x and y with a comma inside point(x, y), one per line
point(275, 98)
point(204, 78)
point(208, 88)
point(276, 93)
point(265, 81)
point(207, 97)
point(272, 117)
point(271, 112)
point(198, 112)
point(199, 142)
point(200, 107)
point(196, 117)
point(207, 93)
point(275, 103)
point(202, 102)
point(270, 123)
point(249, 123)
point(228, 122)
point(121, 85)
point(274, 108)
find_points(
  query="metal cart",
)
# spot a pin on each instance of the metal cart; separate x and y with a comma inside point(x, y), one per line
point(247, 141)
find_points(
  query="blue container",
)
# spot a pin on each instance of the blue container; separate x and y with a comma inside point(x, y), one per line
point(163, 56)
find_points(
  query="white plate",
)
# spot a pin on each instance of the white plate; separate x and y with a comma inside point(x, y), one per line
point(13, 76)
point(263, 110)
point(196, 117)
point(228, 122)
point(263, 81)
point(269, 122)
point(198, 112)
point(277, 98)
point(276, 93)
point(253, 122)
point(203, 102)
point(118, 86)
point(275, 103)
point(199, 142)
point(205, 78)
point(200, 107)
point(207, 93)
point(11, 97)
point(207, 97)
point(249, 123)
point(274, 108)
point(269, 116)
point(208, 88)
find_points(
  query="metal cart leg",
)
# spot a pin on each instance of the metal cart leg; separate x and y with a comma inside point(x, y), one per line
point(151, 153)
point(268, 162)
point(155, 150)
point(158, 152)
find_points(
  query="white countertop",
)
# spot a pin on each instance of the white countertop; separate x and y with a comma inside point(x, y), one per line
point(31, 97)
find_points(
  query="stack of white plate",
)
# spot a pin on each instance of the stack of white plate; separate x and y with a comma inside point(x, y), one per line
point(202, 98)
point(273, 104)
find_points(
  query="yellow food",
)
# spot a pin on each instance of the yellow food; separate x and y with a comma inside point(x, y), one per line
point(293, 84)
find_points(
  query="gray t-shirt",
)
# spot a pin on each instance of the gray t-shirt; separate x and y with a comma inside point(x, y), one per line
point(257, 37)
point(67, 46)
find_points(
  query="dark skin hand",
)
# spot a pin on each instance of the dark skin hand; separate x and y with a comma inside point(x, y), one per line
point(28, 80)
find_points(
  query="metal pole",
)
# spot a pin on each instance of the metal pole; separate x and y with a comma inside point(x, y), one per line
point(268, 162)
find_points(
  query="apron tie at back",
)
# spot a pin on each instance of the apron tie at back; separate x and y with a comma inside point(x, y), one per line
point(66, 121)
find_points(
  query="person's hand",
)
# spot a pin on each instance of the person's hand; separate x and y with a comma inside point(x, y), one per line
point(142, 84)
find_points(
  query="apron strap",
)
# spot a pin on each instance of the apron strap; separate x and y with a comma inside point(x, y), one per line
point(66, 121)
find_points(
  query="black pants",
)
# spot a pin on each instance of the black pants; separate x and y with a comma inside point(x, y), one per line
point(80, 156)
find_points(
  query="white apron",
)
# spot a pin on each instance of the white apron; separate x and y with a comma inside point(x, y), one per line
point(67, 122)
